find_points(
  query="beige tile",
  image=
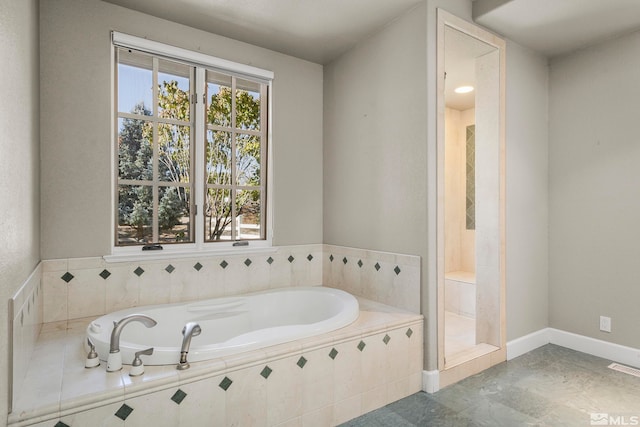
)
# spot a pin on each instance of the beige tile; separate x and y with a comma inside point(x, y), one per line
point(101, 416)
point(246, 398)
point(153, 409)
point(374, 398)
point(320, 418)
point(55, 293)
point(284, 390)
point(317, 380)
point(347, 409)
point(204, 404)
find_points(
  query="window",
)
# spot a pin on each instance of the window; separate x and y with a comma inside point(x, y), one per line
point(191, 148)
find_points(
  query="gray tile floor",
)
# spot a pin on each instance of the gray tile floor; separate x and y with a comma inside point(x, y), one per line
point(550, 386)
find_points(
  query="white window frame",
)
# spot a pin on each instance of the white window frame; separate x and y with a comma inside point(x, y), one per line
point(202, 61)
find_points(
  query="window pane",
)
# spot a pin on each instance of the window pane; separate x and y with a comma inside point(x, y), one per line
point(218, 99)
point(134, 82)
point(218, 157)
point(174, 157)
point(218, 215)
point(248, 220)
point(174, 218)
point(173, 90)
point(247, 105)
point(134, 149)
point(247, 160)
point(135, 213)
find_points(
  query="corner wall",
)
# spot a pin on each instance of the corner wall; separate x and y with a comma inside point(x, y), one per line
point(76, 114)
point(594, 195)
point(19, 161)
point(527, 222)
point(375, 151)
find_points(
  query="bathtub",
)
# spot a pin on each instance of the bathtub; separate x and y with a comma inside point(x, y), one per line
point(229, 325)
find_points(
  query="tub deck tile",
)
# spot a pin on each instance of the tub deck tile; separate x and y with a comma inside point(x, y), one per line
point(64, 387)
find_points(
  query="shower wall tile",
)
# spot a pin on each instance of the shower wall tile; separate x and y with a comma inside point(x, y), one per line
point(392, 279)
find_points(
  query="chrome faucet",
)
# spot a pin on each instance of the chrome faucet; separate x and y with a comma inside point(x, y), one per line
point(114, 361)
point(191, 329)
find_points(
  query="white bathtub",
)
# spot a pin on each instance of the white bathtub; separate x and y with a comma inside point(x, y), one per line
point(229, 325)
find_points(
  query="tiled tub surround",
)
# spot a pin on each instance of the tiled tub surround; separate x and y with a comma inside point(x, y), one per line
point(85, 287)
point(389, 278)
point(25, 320)
point(319, 381)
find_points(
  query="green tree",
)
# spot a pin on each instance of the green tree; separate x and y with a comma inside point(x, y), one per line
point(218, 155)
point(135, 152)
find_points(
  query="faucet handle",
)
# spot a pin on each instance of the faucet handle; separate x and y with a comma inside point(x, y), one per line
point(92, 358)
point(137, 367)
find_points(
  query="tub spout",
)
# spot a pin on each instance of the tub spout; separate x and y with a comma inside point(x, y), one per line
point(114, 362)
point(191, 329)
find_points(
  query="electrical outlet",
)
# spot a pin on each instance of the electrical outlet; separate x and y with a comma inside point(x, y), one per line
point(605, 324)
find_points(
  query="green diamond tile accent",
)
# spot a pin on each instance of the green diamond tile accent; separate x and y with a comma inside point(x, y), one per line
point(124, 411)
point(309, 257)
point(138, 271)
point(266, 372)
point(224, 264)
point(105, 273)
point(377, 266)
point(301, 362)
point(67, 277)
point(61, 424)
point(344, 260)
point(169, 269)
point(270, 260)
point(331, 258)
point(198, 266)
point(333, 353)
point(225, 383)
point(360, 264)
point(397, 270)
point(361, 345)
point(247, 262)
point(386, 339)
point(409, 332)
point(291, 258)
point(178, 396)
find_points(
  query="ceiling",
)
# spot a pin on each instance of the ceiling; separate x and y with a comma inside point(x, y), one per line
point(315, 30)
point(558, 27)
point(322, 30)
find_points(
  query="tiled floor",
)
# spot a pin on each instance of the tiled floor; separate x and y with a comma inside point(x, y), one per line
point(550, 386)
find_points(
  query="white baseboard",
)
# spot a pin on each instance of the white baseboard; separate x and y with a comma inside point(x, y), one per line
point(525, 344)
point(607, 350)
point(430, 381)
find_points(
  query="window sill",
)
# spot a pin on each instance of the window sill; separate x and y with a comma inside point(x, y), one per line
point(160, 255)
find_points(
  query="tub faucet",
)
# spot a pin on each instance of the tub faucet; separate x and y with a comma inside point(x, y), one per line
point(191, 329)
point(114, 361)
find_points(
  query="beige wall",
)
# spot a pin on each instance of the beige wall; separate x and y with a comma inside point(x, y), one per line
point(76, 123)
point(594, 190)
point(527, 223)
point(19, 160)
point(390, 169)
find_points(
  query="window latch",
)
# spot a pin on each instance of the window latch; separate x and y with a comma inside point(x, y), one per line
point(152, 248)
point(245, 243)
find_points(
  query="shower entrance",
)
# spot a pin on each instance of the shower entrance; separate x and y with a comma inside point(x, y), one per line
point(471, 233)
